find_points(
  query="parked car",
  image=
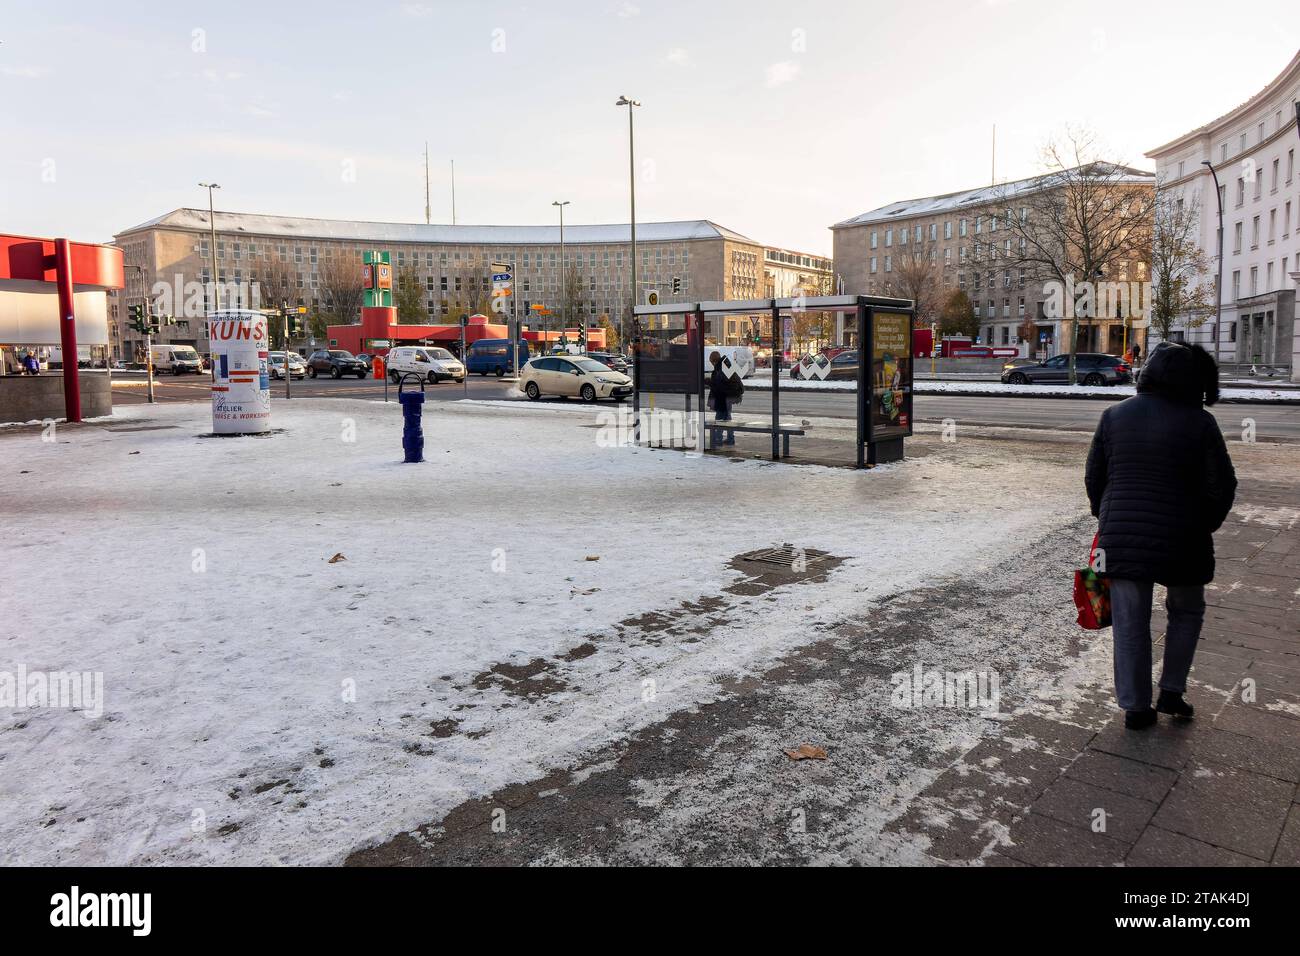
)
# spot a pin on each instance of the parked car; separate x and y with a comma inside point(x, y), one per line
point(367, 360)
point(1092, 368)
point(843, 366)
point(275, 365)
point(576, 375)
point(335, 363)
point(177, 359)
point(741, 356)
point(611, 359)
point(495, 356)
point(430, 363)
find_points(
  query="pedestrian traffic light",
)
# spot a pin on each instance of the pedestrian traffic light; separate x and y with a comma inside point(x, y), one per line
point(677, 285)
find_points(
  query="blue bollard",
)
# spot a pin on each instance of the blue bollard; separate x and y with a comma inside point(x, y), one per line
point(412, 422)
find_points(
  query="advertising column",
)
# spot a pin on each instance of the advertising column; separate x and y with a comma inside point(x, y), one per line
point(241, 387)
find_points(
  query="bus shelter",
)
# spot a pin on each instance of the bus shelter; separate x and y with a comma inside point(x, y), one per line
point(671, 366)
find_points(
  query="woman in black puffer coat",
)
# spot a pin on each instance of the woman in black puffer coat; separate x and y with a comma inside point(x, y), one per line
point(1161, 483)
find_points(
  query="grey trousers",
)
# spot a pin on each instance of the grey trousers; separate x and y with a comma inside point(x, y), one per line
point(1130, 610)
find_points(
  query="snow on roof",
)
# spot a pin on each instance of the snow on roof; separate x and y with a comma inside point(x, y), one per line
point(984, 196)
point(379, 232)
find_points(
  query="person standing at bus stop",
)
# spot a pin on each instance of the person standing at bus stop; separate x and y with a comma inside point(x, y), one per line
point(720, 394)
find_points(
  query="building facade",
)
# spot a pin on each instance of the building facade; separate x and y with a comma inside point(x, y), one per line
point(1253, 153)
point(450, 264)
point(963, 237)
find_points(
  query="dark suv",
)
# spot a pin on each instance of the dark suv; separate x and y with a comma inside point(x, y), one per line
point(337, 362)
point(611, 359)
point(1091, 368)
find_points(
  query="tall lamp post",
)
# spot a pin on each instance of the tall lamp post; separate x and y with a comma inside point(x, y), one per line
point(631, 170)
point(212, 225)
point(564, 274)
point(1218, 301)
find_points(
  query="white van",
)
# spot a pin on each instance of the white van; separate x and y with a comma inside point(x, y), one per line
point(175, 359)
point(741, 357)
point(431, 363)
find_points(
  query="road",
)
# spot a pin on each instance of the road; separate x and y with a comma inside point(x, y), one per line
point(1272, 422)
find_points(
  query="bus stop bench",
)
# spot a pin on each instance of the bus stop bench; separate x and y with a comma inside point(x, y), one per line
point(785, 431)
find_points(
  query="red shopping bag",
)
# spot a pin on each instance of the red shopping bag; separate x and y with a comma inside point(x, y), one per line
point(1092, 594)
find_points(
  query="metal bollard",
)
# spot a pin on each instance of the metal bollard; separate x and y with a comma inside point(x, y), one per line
point(412, 416)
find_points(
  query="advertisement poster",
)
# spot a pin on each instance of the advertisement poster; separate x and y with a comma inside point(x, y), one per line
point(891, 375)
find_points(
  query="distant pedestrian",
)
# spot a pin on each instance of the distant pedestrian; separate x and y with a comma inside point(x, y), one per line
point(1137, 353)
point(720, 394)
point(32, 364)
point(1160, 481)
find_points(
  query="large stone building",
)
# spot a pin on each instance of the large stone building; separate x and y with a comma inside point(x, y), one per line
point(1253, 152)
point(451, 264)
point(957, 234)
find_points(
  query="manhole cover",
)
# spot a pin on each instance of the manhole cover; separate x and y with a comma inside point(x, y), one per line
point(786, 556)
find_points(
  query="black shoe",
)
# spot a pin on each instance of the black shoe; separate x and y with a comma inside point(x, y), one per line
point(1139, 719)
point(1173, 704)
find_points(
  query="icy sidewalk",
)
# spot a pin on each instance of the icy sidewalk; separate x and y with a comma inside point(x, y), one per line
point(265, 705)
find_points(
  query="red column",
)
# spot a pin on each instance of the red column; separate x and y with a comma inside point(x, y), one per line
point(67, 329)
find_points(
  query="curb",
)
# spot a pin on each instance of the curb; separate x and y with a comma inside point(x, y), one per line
point(1225, 398)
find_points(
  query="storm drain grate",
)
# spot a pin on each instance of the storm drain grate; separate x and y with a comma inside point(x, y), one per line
point(786, 555)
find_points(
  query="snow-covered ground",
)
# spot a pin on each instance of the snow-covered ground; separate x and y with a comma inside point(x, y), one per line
point(262, 704)
point(762, 381)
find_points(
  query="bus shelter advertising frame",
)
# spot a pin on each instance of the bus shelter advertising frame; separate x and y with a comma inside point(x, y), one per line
point(885, 367)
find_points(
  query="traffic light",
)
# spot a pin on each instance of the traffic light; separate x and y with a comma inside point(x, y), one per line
point(677, 285)
point(136, 312)
point(155, 324)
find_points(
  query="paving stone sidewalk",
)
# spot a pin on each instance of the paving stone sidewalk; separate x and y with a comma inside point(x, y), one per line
point(1220, 790)
point(1058, 782)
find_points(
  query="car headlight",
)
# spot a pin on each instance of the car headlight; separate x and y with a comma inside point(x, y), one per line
point(606, 381)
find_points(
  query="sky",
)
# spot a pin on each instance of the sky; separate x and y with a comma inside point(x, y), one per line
point(774, 119)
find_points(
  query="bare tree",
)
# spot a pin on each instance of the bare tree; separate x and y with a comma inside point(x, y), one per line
point(340, 279)
point(1084, 221)
point(918, 277)
point(409, 298)
point(1179, 266)
point(277, 288)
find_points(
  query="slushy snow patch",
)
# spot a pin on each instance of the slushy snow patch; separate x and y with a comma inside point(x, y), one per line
point(265, 705)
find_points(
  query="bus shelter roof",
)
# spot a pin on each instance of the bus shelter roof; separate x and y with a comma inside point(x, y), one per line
point(819, 303)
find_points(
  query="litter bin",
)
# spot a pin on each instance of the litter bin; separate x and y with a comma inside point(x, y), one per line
point(412, 403)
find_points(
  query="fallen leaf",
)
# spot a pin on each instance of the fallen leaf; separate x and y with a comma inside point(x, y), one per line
point(593, 557)
point(806, 752)
point(133, 453)
point(337, 558)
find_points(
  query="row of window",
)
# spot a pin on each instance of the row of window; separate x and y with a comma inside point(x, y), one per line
point(312, 254)
point(1244, 136)
point(1273, 279)
point(919, 233)
point(1256, 229)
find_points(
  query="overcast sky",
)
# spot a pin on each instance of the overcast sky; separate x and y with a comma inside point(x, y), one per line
point(774, 119)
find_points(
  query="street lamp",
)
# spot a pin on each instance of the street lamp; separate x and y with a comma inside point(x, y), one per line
point(631, 169)
point(1218, 302)
point(564, 275)
point(216, 277)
